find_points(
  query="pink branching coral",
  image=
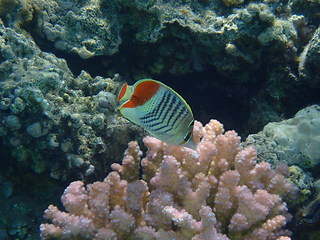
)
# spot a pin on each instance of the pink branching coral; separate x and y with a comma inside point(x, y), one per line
point(218, 192)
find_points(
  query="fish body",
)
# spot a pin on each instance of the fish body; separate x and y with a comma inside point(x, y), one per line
point(158, 109)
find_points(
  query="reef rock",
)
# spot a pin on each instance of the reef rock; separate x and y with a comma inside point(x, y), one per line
point(310, 60)
point(51, 120)
point(184, 35)
point(296, 140)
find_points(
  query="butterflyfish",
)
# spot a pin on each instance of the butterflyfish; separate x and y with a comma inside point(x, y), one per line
point(159, 110)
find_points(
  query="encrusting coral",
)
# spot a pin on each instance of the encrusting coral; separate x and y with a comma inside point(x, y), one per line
point(217, 192)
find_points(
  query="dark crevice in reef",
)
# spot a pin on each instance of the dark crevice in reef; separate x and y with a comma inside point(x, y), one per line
point(24, 195)
point(213, 96)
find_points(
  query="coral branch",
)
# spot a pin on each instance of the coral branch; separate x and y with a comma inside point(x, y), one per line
point(218, 192)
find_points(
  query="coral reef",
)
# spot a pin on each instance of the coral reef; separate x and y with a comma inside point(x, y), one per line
point(23, 199)
point(52, 121)
point(309, 61)
point(247, 44)
point(95, 28)
point(295, 140)
point(100, 28)
point(56, 124)
point(16, 12)
point(216, 192)
point(51, 124)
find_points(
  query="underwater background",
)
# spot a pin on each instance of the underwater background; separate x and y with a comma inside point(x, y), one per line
point(251, 65)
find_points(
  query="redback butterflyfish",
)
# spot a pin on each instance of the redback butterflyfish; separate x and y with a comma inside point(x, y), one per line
point(159, 110)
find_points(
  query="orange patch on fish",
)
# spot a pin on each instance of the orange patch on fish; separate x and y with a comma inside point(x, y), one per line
point(142, 93)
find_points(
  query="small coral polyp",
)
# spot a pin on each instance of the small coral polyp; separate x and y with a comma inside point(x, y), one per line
point(217, 192)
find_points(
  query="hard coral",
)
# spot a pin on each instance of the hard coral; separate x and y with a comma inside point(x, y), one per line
point(217, 192)
point(16, 12)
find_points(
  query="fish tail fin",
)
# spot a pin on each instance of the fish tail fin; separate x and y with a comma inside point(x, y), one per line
point(190, 144)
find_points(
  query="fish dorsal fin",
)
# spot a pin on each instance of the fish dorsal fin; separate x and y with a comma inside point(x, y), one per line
point(143, 91)
point(125, 92)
